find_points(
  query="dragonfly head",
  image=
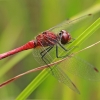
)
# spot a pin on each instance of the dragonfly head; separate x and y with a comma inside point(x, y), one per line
point(64, 37)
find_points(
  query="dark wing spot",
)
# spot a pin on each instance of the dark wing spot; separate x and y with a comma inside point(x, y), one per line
point(74, 85)
point(96, 69)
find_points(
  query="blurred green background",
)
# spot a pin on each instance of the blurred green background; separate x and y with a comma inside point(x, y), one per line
point(21, 21)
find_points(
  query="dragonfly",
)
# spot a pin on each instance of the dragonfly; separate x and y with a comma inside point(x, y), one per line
point(44, 43)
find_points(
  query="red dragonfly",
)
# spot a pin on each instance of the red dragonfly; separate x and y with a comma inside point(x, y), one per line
point(44, 43)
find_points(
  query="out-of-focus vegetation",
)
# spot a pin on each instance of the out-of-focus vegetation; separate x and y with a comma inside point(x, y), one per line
point(21, 21)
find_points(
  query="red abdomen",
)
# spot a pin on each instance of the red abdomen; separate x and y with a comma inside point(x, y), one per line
point(29, 45)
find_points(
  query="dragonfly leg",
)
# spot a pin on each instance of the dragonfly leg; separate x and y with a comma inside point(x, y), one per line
point(62, 46)
point(64, 55)
point(57, 53)
point(43, 53)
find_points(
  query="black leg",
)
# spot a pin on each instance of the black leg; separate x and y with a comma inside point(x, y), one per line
point(44, 52)
point(62, 46)
point(57, 53)
point(43, 55)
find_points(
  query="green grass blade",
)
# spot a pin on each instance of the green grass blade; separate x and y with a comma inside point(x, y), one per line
point(42, 76)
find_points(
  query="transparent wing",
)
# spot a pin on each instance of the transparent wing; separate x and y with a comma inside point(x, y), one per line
point(37, 56)
point(38, 52)
point(75, 24)
point(60, 75)
point(78, 66)
point(55, 71)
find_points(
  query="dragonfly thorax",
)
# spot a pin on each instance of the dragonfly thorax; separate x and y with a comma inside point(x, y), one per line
point(45, 39)
point(64, 37)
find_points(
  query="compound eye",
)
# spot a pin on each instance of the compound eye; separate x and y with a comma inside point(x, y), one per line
point(65, 37)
